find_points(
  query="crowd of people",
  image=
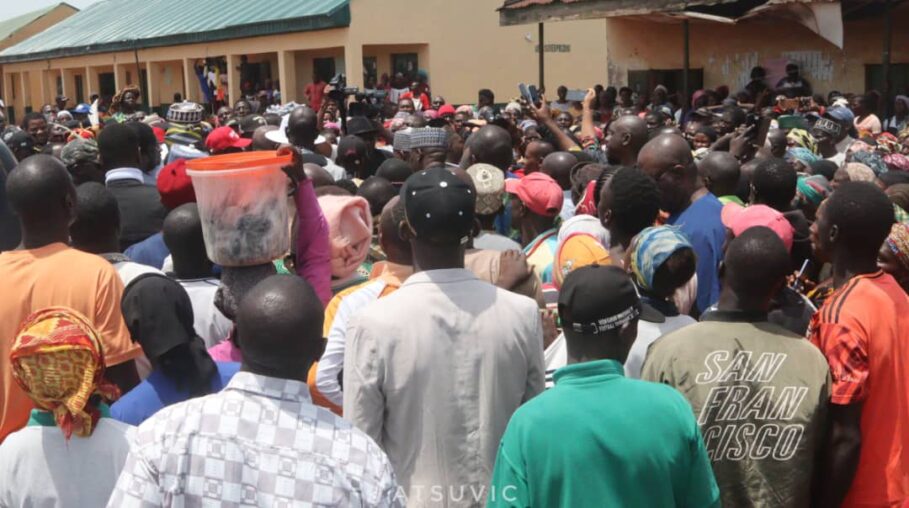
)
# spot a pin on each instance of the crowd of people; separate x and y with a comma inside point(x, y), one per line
point(629, 300)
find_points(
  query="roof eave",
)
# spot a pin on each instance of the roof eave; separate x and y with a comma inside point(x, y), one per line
point(592, 9)
point(339, 18)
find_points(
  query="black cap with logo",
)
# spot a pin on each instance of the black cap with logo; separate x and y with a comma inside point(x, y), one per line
point(439, 206)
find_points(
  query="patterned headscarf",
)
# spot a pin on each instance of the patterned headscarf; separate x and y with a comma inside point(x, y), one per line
point(859, 172)
point(815, 188)
point(118, 98)
point(872, 160)
point(896, 162)
point(58, 361)
point(801, 154)
point(651, 248)
point(802, 138)
point(888, 143)
point(898, 241)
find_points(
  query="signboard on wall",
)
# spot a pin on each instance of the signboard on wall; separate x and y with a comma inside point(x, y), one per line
point(553, 48)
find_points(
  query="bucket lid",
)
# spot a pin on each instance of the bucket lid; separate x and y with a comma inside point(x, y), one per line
point(241, 160)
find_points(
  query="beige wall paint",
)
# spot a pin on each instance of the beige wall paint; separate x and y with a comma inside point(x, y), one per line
point(727, 53)
point(468, 50)
point(461, 46)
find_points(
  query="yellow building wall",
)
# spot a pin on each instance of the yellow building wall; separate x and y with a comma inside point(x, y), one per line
point(727, 53)
point(468, 50)
point(461, 46)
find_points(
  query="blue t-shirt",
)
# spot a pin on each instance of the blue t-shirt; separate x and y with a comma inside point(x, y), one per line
point(701, 223)
point(157, 392)
point(151, 252)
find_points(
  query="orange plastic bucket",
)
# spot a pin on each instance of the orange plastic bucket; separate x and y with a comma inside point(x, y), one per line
point(242, 200)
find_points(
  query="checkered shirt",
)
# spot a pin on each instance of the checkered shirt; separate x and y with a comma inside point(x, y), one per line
point(259, 442)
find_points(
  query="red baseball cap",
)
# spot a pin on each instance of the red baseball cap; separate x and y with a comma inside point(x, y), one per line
point(539, 192)
point(223, 138)
point(739, 218)
point(175, 186)
point(446, 109)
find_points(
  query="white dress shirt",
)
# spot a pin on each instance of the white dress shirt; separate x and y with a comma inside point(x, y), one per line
point(124, 174)
point(434, 371)
point(259, 442)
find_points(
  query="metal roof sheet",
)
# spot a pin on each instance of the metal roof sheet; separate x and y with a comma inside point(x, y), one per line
point(117, 25)
point(13, 25)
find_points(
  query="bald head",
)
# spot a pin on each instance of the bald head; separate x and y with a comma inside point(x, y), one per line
point(757, 263)
point(667, 159)
point(260, 142)
point(558, 165)
point(534, 154)
point(625, 137)
point(378, 192)
point(279, 327)
point(395, 247)
point(41, 193)
point(491, 145)
point(721, 172)
point(302, 127)
point(320, 176)
point(182, 233)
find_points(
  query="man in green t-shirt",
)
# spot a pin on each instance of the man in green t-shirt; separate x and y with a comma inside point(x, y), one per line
point(597, 438)
point(759, 390)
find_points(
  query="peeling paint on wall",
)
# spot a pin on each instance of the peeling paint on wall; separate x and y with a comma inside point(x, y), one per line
point(816, 64)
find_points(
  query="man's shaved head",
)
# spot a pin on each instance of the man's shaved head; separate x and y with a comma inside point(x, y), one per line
point(41, 192)
point(320, 176)
point(302, 126)
point(534, 154)
point(558, 165)
point(721, 173)
point(626, 136)
point(182, 233)
point(756, 266)
point(396, 248)
point(260, 142)
point(378, 192)
point(279, 327)
point(491, 145)
point(667, 159)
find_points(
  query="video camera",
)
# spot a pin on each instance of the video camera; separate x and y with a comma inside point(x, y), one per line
point(341, 91)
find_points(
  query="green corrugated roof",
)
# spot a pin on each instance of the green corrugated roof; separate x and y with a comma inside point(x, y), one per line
point(13, 25)
point(117, 25)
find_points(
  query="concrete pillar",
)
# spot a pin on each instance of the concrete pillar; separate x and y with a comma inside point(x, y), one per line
point(233, 78)
point(23, 84)
point(191, 90)
point(353, 63)
point(287, 75)
point(69, 87)
point(119, 81)
point(48, 86)
point(91, 83)
point(151, 70)
point(5, 85)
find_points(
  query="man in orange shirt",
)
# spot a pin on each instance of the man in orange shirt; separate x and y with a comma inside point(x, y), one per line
point(862, 330)
point(46, 272)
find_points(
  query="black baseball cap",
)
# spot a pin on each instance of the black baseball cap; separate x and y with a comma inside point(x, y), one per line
point(439, 206)
point(596, 299)
point(20, 140)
